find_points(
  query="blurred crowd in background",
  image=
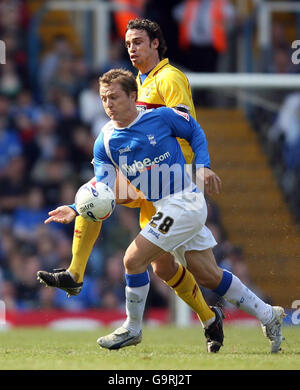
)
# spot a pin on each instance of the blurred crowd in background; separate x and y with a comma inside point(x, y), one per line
point(46, 144)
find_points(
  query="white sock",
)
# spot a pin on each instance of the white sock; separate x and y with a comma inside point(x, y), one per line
point(240, 296)
point(206, 324)
point(135, 306)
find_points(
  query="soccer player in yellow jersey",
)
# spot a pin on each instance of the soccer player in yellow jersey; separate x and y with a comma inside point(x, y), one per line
point(159, 84)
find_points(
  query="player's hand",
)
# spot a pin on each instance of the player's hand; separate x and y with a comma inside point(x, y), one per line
point(212, 182)
point(62, 214)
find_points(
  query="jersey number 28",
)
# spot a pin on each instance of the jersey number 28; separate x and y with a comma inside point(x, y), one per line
point(164, 225)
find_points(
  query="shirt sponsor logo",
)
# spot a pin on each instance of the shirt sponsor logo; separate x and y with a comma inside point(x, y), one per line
point(147, 163)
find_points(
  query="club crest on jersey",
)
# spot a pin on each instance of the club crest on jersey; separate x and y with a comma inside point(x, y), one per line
point(151, 139)
point(148, 93)
point(181, 113)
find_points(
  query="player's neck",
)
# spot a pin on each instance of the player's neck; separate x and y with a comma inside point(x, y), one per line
point(149, 65)
point(126, 121)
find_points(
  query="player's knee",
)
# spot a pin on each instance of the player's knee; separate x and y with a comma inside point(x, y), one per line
point(129, 263)
point(133, 264)
point(211, 279)
point(165, 269)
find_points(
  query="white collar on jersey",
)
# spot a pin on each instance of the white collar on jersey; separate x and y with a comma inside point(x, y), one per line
point(137, 118)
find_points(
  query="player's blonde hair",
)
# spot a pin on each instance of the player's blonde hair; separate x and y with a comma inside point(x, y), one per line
point(122, 76)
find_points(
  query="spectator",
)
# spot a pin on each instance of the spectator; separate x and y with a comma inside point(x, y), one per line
point(29, 216)
point(81, 151)
point(10, 82)
point(286, 130)
point(23, 267)
point(277, 57)
point(27, 133)
point(15, 51)
point(202, 27)
point(5, 111)
point(25, 105)
point(81, 72)
point(88, 297)
point(68, 118)
point(202, 31)
point(49, 258)
point(12, 187)
point(90, 106)
point(46, 135)
point(127, 230)
point(117, 57)
point(112, 284)
point(68, 191)
point(10, 146)
point(49, 175)
point(51, 61)
point(64, 79)
point(129, 9)
point(280, 61)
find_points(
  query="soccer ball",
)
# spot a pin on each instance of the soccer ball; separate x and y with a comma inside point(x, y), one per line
point(95, 201)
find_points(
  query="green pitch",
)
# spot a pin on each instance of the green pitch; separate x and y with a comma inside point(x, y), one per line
point(245, 348)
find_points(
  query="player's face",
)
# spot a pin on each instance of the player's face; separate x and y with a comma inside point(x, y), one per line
point(143, 53)
point(117, 104)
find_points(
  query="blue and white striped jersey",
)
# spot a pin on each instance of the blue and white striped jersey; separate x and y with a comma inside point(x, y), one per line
point(148, 153)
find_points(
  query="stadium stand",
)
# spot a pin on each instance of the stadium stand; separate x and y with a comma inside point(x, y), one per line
point(252, 206)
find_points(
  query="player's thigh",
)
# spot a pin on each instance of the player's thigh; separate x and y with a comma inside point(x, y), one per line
point(140, 253)
point(202, 264)
point(165, 266)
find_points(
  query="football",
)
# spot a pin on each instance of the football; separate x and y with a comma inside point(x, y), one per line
point(95, 201)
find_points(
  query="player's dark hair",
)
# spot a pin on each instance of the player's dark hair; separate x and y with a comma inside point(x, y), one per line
point(153, 31)
point(124, 77)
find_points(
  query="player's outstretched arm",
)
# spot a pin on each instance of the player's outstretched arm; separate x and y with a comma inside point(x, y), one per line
point(62, 214)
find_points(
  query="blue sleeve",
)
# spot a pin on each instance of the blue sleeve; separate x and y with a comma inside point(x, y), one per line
point(184, 126)
point(73, 207)
point(104, 169)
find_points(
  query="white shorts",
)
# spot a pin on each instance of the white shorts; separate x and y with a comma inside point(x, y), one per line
point(179, 225)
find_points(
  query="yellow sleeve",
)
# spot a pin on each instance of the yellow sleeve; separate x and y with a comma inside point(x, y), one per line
point(175, 90)
point(174, 87)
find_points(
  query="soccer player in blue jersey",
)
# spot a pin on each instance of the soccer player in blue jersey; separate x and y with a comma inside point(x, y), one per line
point(159, 84)
point(149, 142)
point(144, 148)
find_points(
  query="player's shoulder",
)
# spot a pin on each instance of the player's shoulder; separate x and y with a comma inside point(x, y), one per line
point(170, 71)
point(174, 112)
point(150, 114)
point(107, 128)
point(161, 111)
